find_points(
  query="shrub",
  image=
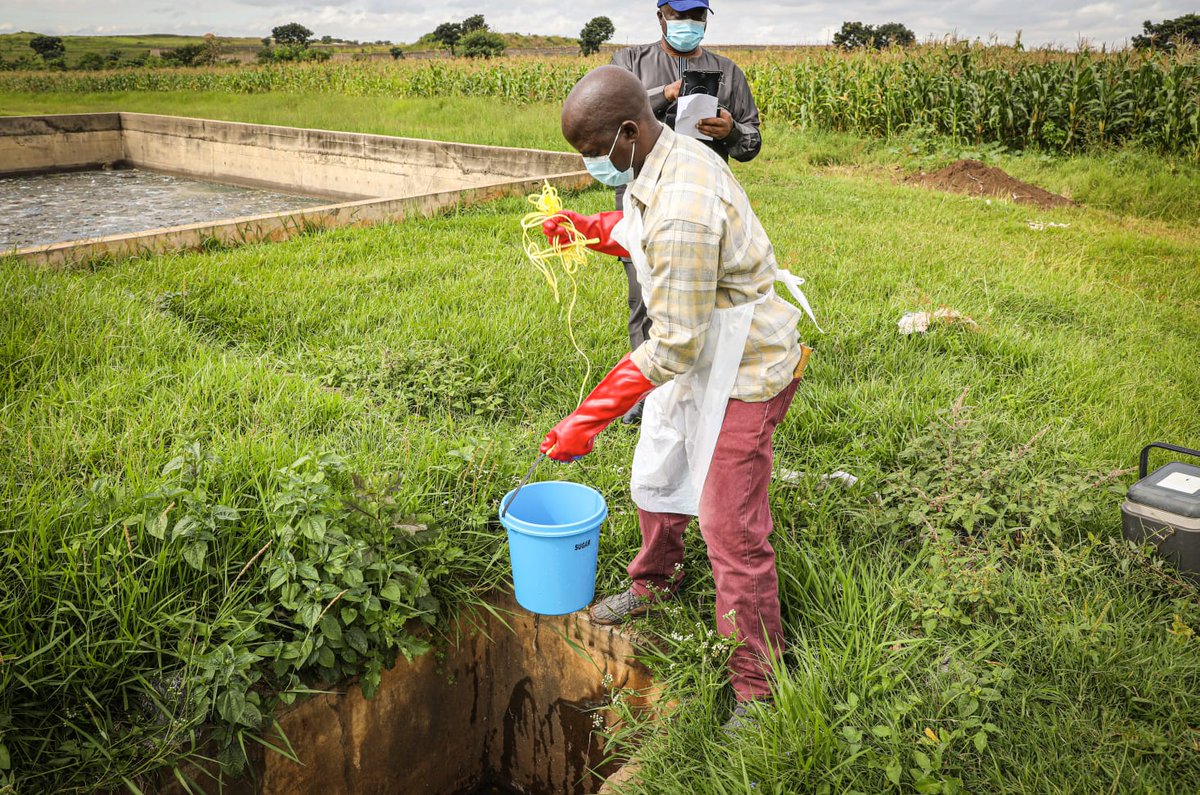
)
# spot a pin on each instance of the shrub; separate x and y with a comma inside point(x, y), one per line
point(187, 55)
point(291, 53)
point(51, 48)
point(92, 61)
point(955, 485)
point(482, 44)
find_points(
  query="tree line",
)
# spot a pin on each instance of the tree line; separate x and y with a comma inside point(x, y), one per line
point(1165, 35)
point(473, 38)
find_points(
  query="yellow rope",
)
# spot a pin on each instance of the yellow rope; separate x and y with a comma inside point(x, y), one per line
point(551, 257)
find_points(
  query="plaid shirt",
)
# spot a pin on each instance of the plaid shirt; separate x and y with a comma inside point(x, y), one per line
point(706, 249)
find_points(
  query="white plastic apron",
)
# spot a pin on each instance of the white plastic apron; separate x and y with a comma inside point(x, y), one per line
point(683, 417)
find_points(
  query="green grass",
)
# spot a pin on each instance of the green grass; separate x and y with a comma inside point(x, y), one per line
point(1074, 658)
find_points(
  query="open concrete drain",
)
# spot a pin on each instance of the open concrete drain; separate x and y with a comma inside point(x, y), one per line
point(503, 711)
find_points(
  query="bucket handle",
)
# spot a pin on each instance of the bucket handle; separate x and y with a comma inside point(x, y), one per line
point(1144, 460)
point(529, 474)
point(521, 485)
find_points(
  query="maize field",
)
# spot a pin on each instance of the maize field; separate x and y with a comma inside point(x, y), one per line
point(1049, 100)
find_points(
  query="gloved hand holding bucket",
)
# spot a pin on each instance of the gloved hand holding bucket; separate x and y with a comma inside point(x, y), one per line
point(554, 526)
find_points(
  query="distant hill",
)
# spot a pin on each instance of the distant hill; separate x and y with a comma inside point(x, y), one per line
point(14, 45)
point(514, 41)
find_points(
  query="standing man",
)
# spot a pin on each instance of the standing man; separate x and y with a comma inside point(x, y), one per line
point(734, 131)
point(720, 365)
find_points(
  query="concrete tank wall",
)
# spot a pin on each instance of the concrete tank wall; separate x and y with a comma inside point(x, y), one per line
point(33, 144)
point(369, 178)
point(325, 162)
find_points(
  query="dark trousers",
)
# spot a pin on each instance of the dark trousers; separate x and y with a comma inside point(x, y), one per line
point(639, 322)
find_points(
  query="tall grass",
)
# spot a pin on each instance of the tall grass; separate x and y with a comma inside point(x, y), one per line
point(1051, 101)
point(429, 358)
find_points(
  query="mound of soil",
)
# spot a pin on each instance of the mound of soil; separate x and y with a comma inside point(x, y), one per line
point(979, 179)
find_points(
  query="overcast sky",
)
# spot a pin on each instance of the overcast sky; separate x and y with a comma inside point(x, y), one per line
point(733, 21)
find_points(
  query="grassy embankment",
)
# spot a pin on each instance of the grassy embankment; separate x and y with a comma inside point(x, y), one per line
point(16, 45)
point(941, 650)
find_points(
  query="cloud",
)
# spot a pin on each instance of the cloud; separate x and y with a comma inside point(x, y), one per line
point(733, 21)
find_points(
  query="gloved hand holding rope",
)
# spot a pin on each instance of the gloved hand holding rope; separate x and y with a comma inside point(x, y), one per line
point(567, 235)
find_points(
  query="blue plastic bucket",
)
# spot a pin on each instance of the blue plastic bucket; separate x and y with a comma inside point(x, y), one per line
point(553, 539)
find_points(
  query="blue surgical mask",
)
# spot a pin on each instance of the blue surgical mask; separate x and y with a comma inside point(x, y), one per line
point(684, 35)
point(603, 170)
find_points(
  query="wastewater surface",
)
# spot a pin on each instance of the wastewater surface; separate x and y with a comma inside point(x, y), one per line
point(52, 208)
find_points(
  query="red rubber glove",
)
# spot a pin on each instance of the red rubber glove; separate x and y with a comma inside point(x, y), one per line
point(593, 227)
point(617, 393)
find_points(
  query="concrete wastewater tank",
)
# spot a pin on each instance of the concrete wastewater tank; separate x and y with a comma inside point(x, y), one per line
point(513, 705)
point(89, 186)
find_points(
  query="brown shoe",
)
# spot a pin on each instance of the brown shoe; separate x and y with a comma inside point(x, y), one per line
point(615, 609)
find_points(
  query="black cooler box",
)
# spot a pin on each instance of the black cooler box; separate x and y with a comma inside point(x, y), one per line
point(1163, 509)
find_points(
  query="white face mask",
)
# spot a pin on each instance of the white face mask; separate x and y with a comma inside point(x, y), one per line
point(605, 172)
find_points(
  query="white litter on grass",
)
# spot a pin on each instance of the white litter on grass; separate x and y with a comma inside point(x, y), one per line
point(793, 476)
point(919, 322)
point(915, 322)
point(1041, 226)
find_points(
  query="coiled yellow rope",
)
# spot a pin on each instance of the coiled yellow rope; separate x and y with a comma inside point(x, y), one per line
point(550, 257)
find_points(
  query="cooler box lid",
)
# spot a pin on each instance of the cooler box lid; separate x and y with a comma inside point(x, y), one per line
point(1174, 488)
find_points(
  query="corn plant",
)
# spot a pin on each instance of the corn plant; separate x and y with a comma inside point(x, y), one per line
point(1048, 99)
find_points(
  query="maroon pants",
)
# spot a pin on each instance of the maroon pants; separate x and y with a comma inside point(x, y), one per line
point(735, 521)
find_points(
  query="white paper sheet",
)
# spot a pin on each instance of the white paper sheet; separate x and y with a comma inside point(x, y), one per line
point(691, 109)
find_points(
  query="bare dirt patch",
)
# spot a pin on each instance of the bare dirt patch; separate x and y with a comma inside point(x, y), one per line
point(979, 179)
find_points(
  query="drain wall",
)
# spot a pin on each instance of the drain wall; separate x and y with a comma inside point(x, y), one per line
point(510, 706)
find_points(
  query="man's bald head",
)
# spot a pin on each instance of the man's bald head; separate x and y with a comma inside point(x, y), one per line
point(601, 100)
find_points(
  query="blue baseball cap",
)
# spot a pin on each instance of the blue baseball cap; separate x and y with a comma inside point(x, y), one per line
point(684, 5)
